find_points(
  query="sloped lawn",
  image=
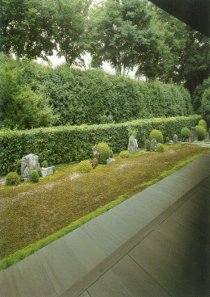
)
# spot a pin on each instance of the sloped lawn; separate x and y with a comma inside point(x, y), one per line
point(31, 212)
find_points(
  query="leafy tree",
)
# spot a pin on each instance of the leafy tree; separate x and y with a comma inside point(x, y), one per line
point(198, 93)
point(71, 29)
point(187, 56)
point(27, 28)
point(21, 106)
point(121, 34)
point(205, 106)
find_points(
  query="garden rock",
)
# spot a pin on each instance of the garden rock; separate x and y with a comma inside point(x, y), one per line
point(153, 145)
point(132, 145)
point(95, 152)
point(46, 171)
point(207, 137)
point(175, 138)
point(170, 142)
point(29, 163)
point(194, 134)
point(110, 160)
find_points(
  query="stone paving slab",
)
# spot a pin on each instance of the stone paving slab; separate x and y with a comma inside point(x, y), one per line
point(63, 265)
point(175, 256)
point(126, 278)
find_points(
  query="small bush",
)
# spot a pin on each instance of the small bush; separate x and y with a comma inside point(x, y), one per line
point(157, 135)
point(54, 169)
point(124, 154)
point(111, 153)
point(40, 173)
point(45, 164)
point(34, 176)
point(185, 133)
point(201, 132)
point(12, 178)
point(203, 124)
point(84, 166)
point(160, 147)
point(104, 152)
point(147, 144)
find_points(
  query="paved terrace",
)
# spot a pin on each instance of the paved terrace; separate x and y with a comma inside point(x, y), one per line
point(154, 244)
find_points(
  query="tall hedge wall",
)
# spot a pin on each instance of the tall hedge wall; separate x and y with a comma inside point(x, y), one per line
point(72, 143)
point(95, 97)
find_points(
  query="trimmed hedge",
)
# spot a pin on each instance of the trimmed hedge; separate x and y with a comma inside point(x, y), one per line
point(96, 97)
point(74, 143)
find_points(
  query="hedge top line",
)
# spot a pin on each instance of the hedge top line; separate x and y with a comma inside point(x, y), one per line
point(95, 127)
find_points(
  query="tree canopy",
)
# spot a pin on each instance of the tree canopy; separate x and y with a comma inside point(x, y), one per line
point(121, 34)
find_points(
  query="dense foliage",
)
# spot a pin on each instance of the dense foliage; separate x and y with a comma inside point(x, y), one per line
point(160, 148)
point(201, 132)
point(21, 105)
point(126, 33)
point(121, 34)
point(203, 123)
point(198, 94)
point(185, 133)
point(184, 56)
point(12, 178)
point(34, 176)
point(157, 135)
point(68, 96)
point(205, 106)
point(32, 29)
point(124, 154)
point(65, 144)
point(104, 152)
point(84, 166)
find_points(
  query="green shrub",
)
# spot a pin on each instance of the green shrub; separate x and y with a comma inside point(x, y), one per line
point(104, 152)
point(147, 144)
point(160, 147)
point(84, 166)
point(12, 178)
point(85, 97)
point(56, 145)
point(167, 139)
point(205, 105)
point(45, 164)
point(34, 176)
point(22, 106)
point(203, 123)
point(201, 132)
point(54, 169)
point(111, 153)
point(124, 154)
point(157, 135)
point(40, 173)
point(185, 133)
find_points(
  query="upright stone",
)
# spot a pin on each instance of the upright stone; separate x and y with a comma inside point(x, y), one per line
point(175, 138)
point(46, 171)
point(194, 134)
point(132, 145)
point(96, 153)
point(207, 137)
point(153, 145)
point(29, 163)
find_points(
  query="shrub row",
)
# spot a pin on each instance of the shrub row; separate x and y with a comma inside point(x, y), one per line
point(64, 144)
point(95, 97)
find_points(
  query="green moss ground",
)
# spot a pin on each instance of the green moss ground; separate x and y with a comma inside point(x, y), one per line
point(33, 215)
